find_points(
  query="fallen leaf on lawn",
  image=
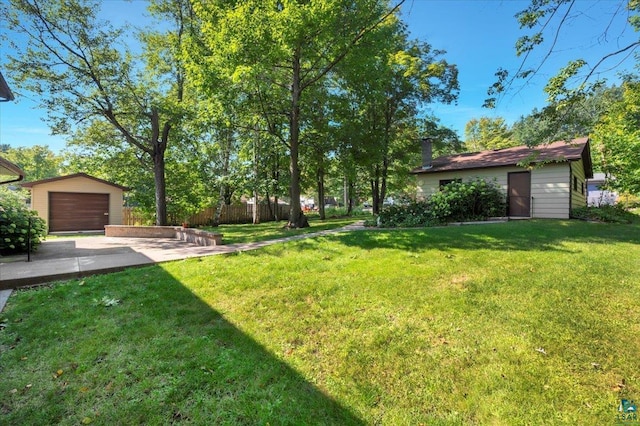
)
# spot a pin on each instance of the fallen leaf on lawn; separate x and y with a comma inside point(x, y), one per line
point(84, 389)
point(81, 282)
point(87, 420)
point(13, 391)
point(28, 386)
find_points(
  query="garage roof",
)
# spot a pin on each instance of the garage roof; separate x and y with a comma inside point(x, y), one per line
point(559, 151)
point(75, 175)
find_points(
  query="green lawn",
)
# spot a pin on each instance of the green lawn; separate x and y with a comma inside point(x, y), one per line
point(527, 322)
point(233, 234)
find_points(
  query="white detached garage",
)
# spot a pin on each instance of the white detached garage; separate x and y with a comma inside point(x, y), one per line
point(77, 202)
point(543, 182)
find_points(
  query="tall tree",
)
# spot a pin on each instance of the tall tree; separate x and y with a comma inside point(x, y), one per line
point(37, 162)
point(81, 70)
point(487, 133)
point(537, 128)
point(283, 48)
point(388, 85)
point(617, 140)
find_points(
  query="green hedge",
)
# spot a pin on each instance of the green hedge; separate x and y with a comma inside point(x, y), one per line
point(14, 225)
point(464, 201)
point(455, 202)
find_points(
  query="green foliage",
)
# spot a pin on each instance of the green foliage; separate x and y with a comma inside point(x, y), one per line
point(472, 200)
point(487, 133)
point(605, 213)
point(617, 140)
point(38, 161)
point(455, 202)
point(15, 226)
point(410, 215)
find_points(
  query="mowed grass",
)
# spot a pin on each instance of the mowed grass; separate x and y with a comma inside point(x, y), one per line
point(233, 234)
point(532, 322)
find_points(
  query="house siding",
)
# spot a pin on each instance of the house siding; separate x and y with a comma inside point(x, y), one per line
point(550, 191)
point(550, 185)
point(579, 195)
point(80, 184)
point(429, 183)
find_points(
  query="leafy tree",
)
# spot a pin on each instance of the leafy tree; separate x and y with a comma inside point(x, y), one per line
point(487, 133)
point(38, 161)
point(82, 71)
point(617, 140)
point(543, 23)
point(386, 85)
point(537, 127)
point(266, 48)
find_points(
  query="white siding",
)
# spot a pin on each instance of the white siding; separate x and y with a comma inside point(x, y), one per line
point(579, 194)
point(550, 191)
point(429, 183)
point(40, 195)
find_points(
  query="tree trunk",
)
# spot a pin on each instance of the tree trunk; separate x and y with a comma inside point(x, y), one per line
point(375, 191)
point(297, 219)
point(218, 213)
point(320, 184)
point(350, 191)
point(159, 141)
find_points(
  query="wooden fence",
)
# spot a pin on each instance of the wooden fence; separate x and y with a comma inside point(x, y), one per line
point(241, 213)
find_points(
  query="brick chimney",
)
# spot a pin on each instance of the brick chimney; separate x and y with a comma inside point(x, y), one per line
point(427, 153)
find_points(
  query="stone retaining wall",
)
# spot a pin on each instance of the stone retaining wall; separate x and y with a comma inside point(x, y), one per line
point(140, 231)
point(195, 236)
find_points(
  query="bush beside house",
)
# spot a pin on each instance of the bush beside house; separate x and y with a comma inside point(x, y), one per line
point(16, 221)
point(455, 202)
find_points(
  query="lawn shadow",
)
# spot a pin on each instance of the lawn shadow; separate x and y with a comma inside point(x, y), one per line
point(158, 356)
point(539, 235)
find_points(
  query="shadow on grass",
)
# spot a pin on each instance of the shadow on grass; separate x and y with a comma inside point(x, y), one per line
point(517, 236)
point(160, 355)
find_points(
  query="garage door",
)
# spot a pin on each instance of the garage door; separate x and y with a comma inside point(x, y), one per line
point(70, 211)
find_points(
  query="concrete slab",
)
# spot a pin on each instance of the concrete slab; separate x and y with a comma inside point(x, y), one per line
point(69, 258)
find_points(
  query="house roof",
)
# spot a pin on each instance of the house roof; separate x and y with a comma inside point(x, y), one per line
point(75, 175)
point(7, 168)
point(556, 152)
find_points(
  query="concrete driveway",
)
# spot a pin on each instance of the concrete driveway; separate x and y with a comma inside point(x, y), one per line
point(67, 258)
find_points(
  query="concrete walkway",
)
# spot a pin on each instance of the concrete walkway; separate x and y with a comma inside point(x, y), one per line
point(64, 259)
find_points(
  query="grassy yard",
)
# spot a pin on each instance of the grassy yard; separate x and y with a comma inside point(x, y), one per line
point(233, 234)
point(528, 322)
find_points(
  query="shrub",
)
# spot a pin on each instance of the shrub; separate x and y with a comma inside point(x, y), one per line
point(14, 225)
point(472, 200)
point(409, 215)
point(605, 213)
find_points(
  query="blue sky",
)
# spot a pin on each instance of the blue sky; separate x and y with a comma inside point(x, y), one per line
point(478, 35)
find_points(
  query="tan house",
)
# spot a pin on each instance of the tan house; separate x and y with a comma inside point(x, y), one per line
point(543, 182)
point(77, 202)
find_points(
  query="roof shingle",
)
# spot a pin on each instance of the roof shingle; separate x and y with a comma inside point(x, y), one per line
point(559, 151)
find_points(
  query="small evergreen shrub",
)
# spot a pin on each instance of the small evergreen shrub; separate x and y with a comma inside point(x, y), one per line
point(466, 201)
point(14, 225)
